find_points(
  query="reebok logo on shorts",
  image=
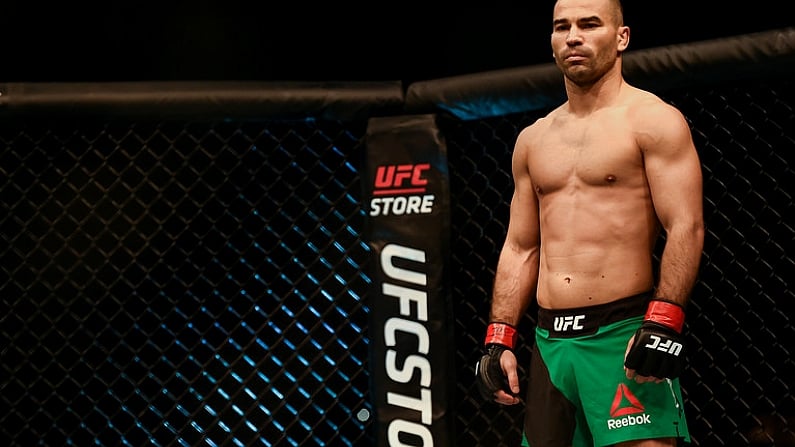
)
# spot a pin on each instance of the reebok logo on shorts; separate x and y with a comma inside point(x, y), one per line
point(626, 410)
point(625, 402)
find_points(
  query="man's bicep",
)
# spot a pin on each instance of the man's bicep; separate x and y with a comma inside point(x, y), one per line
point(523, 229)
point(674, 170)
point(523, 226)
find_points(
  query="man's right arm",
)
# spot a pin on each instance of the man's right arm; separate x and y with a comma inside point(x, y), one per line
point(516, 276)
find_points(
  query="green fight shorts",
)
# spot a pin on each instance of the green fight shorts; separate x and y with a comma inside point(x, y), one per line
point(578, 394)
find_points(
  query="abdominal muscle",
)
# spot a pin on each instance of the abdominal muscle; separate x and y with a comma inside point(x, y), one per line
point(595, 254)
point(583, 283)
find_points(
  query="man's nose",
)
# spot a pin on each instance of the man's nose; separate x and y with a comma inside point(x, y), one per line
point(574, 37)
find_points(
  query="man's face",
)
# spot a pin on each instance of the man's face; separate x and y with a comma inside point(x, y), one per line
point(586, 39)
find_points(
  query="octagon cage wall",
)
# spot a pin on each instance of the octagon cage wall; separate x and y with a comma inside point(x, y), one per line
point(183, 263)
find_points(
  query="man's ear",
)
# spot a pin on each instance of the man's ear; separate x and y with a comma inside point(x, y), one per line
point(622, 38)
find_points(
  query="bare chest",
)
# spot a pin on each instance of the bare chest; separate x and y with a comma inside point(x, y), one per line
point(598, 154)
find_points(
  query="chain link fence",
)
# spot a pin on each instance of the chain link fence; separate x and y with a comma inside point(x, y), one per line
point(180, 283)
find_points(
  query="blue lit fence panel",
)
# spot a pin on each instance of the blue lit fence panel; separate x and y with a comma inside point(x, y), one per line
point(183, 284)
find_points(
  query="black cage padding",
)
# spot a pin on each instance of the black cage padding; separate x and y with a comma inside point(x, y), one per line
point(241, 100)
point(473, 96)
point(523, 89)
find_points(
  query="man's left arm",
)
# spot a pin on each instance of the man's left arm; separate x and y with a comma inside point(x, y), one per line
point(674, 174)
point(673, 171)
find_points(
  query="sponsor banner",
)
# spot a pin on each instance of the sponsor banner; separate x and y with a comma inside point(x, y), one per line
point(406, 189)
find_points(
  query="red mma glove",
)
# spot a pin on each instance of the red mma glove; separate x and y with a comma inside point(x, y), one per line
point(488, 372)
point(658, 347)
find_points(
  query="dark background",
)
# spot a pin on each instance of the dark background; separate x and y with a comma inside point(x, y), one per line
point(229, 40)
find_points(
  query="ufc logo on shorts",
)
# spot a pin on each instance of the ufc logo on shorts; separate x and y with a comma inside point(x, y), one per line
point(668, 346)
point(569, 322)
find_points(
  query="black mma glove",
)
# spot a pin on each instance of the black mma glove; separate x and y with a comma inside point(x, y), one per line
point(658, 347)
point(500, 337)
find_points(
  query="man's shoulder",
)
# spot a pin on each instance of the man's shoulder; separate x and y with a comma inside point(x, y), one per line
point(537, 126)
point(549, 117)
point(641, 98)
point(645, 105)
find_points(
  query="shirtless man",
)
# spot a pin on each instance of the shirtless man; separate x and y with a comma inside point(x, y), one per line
point(596, 181)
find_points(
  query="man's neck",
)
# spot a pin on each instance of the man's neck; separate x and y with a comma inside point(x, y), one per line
point(583, 99)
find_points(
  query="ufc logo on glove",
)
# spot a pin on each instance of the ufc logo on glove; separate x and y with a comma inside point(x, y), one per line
point(669, 346)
